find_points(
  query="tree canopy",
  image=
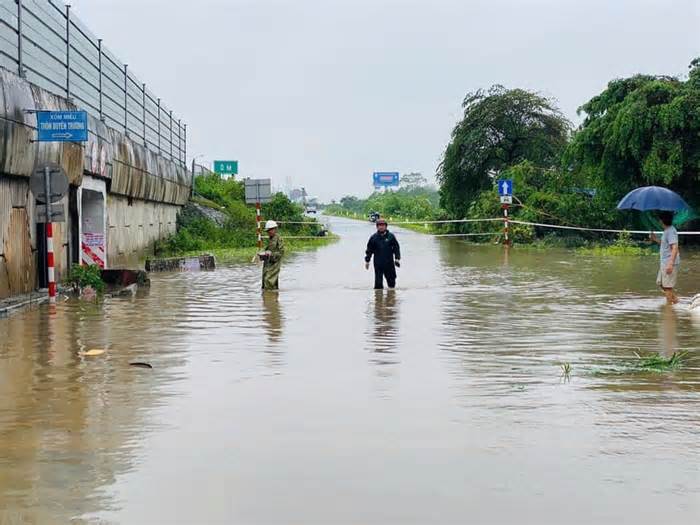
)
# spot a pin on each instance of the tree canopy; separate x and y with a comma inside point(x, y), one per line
point(642, 130)
point(501, 127)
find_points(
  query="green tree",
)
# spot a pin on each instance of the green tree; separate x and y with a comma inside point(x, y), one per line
point(500, 127)
point(280, 208)
point(642, 130)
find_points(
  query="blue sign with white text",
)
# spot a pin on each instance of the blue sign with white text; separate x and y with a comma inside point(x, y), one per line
point(62, 126)
point(386, 178)
point(505, 187)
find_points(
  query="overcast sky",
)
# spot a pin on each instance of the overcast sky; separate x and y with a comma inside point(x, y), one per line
point(326, 92)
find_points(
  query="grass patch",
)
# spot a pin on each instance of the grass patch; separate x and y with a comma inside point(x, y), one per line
point(615, 251)
point(646, 363)
point(658, 363)
point(623, 246)
point(246, 253)
point(237, 239)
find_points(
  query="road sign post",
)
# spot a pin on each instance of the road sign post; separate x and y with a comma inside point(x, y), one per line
point(505, 187)
point(505, 190)
point(55, 126)
point(50, 263)
point(258, 191)
point(49, 185)
point(258, 222)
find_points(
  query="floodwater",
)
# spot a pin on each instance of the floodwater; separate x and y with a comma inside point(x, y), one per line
point(440, 402)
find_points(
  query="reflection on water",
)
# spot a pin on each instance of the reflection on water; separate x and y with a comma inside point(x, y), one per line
point(669, 330)
point(272, 315)
point(383, 333)
point(435, 401)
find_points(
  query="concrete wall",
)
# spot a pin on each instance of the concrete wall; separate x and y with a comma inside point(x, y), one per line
point(134, 226)
point(144, 191)
point(131, 168)
point(18, 243)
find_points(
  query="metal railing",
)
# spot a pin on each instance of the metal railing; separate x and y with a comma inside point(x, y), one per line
point(46, 44)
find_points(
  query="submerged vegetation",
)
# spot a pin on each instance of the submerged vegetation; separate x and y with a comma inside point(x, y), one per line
point(653, 362)
point(658, 363)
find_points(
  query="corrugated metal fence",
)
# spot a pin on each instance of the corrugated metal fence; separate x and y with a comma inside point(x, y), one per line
point(50, 47)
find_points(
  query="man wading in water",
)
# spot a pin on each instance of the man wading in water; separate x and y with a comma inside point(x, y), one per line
point(670, 257)
point(387, 254)
point(272, 258)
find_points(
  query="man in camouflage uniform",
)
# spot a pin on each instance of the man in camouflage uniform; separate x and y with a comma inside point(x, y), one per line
point(272, 258)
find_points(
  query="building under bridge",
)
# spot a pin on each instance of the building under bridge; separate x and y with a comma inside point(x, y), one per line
point(127, 182)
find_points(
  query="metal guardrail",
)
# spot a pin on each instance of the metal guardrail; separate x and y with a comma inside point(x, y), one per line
point(47, 45)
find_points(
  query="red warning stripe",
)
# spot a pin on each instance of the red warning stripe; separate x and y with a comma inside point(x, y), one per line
point(87, 251)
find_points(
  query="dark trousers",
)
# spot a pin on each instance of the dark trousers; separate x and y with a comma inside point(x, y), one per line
point(380, 272)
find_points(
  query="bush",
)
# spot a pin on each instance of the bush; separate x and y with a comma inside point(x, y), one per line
point(83, 276)
point(415, 203)
point(196, 233)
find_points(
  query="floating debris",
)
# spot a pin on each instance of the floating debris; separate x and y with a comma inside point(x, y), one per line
point(138, 364)
point(93, 352)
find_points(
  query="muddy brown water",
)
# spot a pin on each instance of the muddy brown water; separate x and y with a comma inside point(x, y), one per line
point(440, 402)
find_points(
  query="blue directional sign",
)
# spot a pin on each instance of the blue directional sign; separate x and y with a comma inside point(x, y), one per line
point(62, 126)
point(386, 178)
point(505, 187)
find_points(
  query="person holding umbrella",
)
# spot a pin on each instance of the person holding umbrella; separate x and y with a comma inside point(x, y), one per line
point(670, 257)
point(667, 202)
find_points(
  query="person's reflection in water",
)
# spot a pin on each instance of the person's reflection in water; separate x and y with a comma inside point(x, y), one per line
point(272, 316)
point(384, 333)
point(668, 331)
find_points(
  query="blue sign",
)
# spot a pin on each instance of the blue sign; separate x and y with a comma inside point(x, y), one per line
point(386, 178)
point(505, 187)
point(62, 126)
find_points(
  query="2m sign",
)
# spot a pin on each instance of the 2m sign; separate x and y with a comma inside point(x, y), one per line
point(226, 167)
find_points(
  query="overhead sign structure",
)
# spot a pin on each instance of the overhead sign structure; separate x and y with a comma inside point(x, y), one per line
point(505, 187)
point(62, 126)
point(258, 191)
point(226, 167)
point(385, 178)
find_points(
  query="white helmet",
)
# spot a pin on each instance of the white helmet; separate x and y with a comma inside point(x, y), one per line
point(270, 224)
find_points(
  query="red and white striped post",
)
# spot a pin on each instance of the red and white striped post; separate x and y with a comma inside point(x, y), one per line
point(50, 264)
point(506, 240)
point(258, 218)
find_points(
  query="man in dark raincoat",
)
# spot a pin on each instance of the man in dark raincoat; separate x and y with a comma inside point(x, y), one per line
point(272, 258)
point(385, 249)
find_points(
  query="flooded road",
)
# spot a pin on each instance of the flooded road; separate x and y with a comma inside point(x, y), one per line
point(440, 402)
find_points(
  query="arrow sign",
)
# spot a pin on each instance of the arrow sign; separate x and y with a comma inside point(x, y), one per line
point(505, 187)
point(62, 126)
